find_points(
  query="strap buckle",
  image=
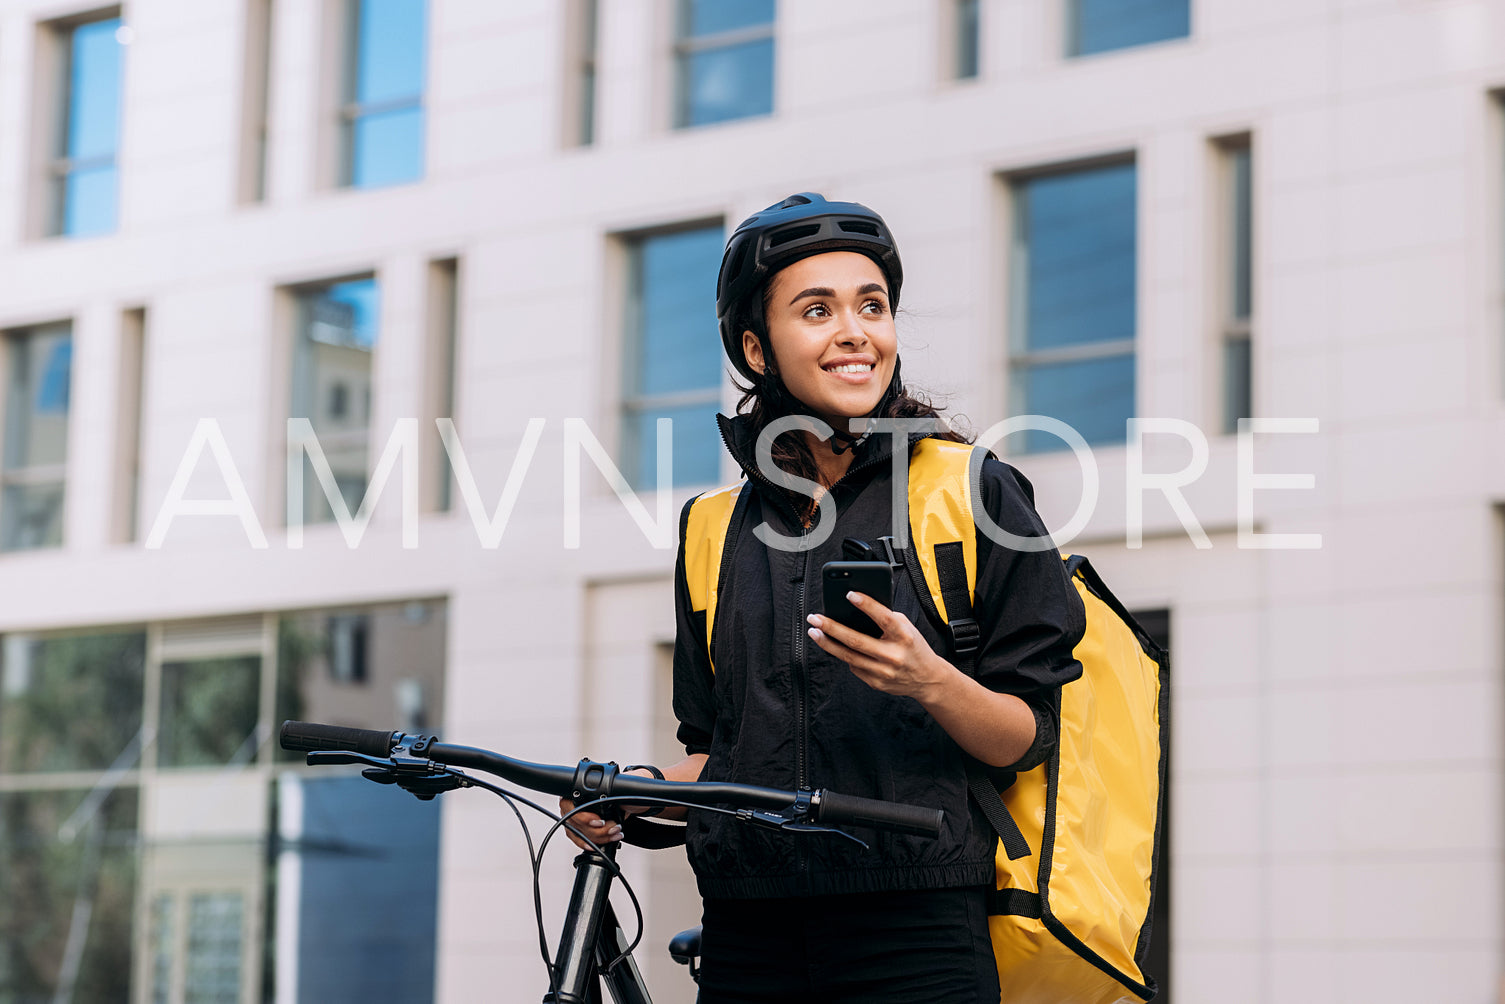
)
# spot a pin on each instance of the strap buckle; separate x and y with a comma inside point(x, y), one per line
point(965, 635)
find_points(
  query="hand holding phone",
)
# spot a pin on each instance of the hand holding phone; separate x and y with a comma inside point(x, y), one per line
point(872, 578)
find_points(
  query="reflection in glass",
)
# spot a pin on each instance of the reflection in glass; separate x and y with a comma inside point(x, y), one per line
point(338, 330)
point(38, 389)
point(378, 860)
point(67, 890)
point(724, 58)
point(376, 667)
point(84, 171)
point(383, 116)
point(209, 710)
point(728, 83)
point(673, 362)
point(1102, 25)
point(70, 702)
point(214, 953)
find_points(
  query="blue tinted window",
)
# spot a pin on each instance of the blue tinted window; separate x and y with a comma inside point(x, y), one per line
point(1101, 25)
point(385, 120)
point(674, 360)
point(1078, 231)
point(707, 17)
point(725, 57)
point(1093, 396)
point(386, 867)
point(1075, 284)
point(86, 178)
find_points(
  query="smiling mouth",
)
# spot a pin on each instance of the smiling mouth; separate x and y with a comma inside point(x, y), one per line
point(851, 368)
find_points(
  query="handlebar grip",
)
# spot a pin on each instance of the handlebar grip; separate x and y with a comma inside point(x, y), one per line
point(314, 736)
point(837, 809)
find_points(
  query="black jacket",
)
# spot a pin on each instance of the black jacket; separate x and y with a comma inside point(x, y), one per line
point(779, 711)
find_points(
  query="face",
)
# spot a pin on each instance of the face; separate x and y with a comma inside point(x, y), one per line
point(832, 335)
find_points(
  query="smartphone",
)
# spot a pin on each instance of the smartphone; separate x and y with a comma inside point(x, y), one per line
point(874, 578)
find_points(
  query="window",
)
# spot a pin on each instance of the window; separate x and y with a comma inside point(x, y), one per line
point(724, 60)
point(1237, 283)
point(672, 362)
point(338, 324)
point(965, 39)
point(84, 179)
point(584, 31)
point(443, 332)
point(1102, 25)
point(70, 710)
point(34, 466)
point(1073, 316)
point(382, 116)
point(245, 876)
point(255, 84)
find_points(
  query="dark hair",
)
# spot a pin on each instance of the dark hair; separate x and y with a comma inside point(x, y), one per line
point(766, 398)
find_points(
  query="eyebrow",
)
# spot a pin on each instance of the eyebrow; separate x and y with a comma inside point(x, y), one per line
point(871, 287)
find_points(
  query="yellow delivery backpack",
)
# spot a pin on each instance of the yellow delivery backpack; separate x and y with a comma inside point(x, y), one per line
point(1079, 836)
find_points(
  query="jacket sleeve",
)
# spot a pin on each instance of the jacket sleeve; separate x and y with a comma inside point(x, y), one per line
point(694, 694)
point(1028, 612)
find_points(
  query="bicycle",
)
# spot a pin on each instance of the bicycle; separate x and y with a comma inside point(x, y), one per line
point(593, 948)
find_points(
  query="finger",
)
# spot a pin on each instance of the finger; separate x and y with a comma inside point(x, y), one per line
point(880, 614)
point(849, 637)
point(867, 667)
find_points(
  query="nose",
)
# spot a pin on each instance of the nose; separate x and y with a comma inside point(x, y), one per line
point(852, 331)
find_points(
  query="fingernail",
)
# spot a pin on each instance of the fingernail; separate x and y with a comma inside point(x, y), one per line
point(813, 619)
point(814, 632)
point(854, 598)
point(597, 823)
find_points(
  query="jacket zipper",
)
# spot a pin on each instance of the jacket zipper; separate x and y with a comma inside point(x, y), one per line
point(801, 675)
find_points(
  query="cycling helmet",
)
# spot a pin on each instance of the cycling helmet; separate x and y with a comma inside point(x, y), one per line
point(800, 226)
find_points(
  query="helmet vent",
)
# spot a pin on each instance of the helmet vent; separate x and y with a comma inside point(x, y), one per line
point(781, 237)
point(859, 227)
point(737, 261)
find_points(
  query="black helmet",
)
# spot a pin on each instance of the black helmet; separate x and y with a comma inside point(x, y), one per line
point(800, 226)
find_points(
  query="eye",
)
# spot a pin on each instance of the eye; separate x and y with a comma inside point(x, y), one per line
point(874, 307)
point(816, 310)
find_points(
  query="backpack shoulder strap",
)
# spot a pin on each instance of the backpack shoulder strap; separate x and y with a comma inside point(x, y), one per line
point(943, 538)
point(942, 563)
point(710, 537)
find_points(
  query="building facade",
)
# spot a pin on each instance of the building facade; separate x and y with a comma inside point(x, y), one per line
point(259, 259)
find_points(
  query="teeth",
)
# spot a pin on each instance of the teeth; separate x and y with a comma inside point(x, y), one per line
point(852, 368)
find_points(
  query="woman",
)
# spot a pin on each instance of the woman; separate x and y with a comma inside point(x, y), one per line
point(805, 300)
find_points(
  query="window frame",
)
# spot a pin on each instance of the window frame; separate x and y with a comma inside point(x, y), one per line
point(351, 110)
point(57, 109)
point(297, 298)
point(631, 403)
point(686, 45)
point(1020, 358)
point(1233, 332)
point(1072, 32)
point(31, 474)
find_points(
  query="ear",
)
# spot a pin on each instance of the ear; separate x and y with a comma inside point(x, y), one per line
point(752, 351)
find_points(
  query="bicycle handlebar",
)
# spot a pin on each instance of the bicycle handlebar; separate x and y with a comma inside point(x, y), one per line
point(827, 807)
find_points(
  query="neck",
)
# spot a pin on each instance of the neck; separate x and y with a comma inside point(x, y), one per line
point(832, 466)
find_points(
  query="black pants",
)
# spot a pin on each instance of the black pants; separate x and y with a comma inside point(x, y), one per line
point(924, 947)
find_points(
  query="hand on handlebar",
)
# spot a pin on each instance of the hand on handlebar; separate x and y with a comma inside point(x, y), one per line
point(601, 831)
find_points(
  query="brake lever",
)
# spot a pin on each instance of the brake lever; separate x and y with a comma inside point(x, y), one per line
point(791, 820)
point(412, 774)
